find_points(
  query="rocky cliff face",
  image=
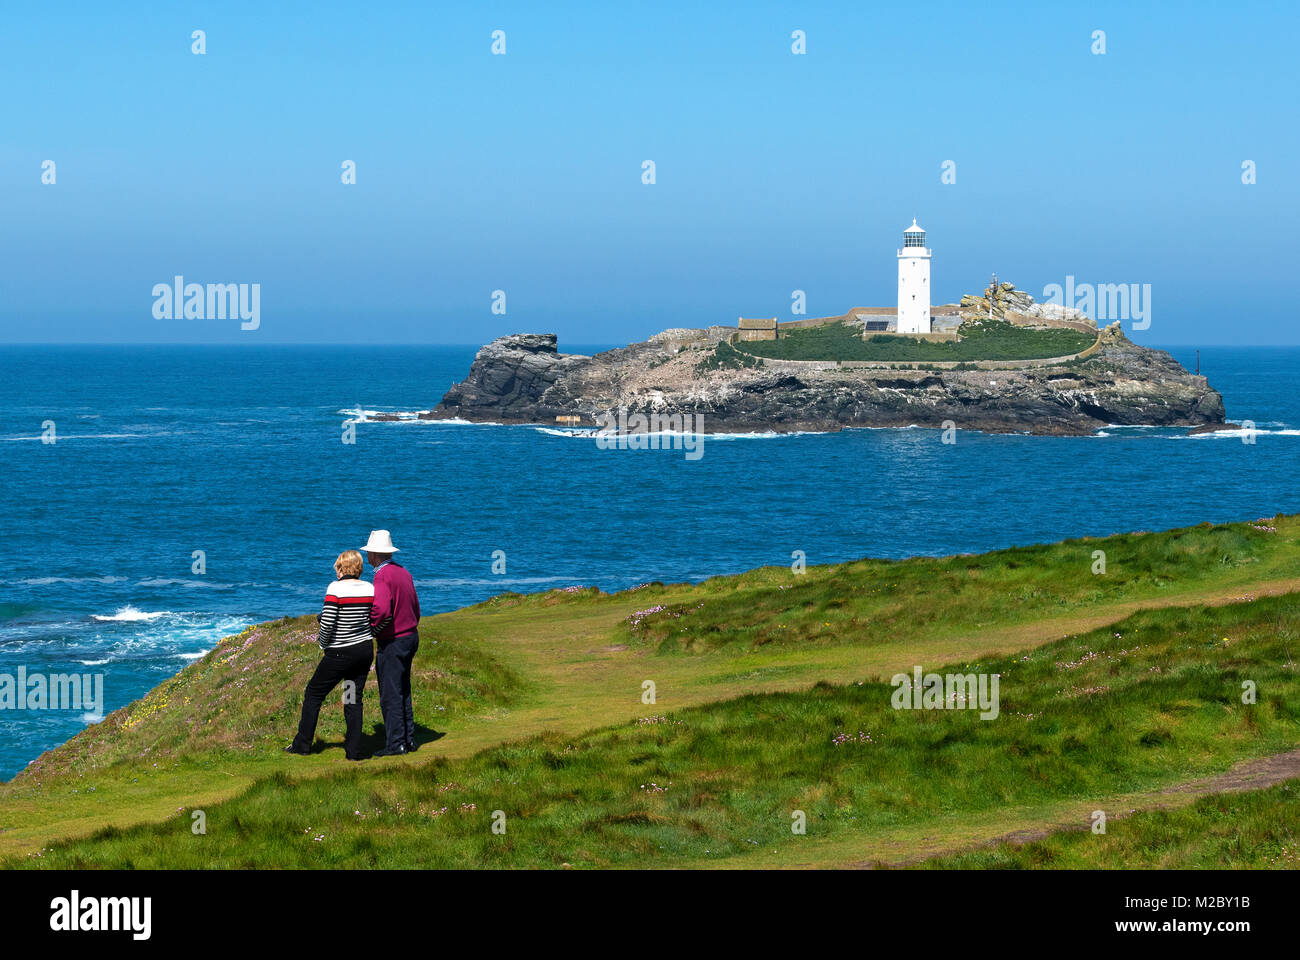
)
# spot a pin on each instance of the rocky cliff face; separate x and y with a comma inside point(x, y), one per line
point(524, 379)
point(509, 380)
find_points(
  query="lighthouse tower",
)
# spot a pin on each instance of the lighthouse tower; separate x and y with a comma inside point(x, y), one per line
point(914, 282)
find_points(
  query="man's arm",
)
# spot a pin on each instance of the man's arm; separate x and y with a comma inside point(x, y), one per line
point(381, 614)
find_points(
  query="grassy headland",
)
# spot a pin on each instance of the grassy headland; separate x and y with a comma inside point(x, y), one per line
point(772, 696)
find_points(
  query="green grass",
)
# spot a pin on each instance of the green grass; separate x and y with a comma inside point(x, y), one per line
point(878, 602)
point(1153, 700)
point(540, 698)
point(1257, 830)
point(980, 340)
point(725, 357)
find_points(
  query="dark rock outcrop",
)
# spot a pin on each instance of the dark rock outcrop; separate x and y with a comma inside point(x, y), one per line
point(508, 381)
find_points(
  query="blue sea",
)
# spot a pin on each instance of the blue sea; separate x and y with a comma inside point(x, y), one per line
point(238, 452)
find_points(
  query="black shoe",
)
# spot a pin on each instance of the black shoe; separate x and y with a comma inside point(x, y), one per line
point(293, 748)
point(355, 759)
point(398, 751)
point(412, 746)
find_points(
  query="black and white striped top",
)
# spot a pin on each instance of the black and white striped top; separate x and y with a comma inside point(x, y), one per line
point(345, 621)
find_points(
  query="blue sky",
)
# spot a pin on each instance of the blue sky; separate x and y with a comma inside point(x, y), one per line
point(522, 172)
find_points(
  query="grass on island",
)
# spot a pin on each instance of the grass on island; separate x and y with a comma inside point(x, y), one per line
point(726, 357)
point(772, 696)
point(980, 340)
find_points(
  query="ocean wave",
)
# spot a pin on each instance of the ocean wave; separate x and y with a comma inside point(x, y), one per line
point(60, 437)
point(359, 415)
point(770, 435)
point(48, 581)
point(559, 432)
point(1149, 432)
point(1238, 434)
point(130, 614)
point(181, 582)
point(290, 587)
point(1158, 426)
point(154, 637)
point(491, 581)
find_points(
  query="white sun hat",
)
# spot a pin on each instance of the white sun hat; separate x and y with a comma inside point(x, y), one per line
point(380, 542)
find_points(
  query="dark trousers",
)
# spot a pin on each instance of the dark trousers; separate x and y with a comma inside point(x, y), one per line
point(336, 666)
point(393, 671)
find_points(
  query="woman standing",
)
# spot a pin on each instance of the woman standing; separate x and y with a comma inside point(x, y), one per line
point(344, 638)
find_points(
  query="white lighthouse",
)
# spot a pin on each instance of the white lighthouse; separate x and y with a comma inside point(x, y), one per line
point(914, 282)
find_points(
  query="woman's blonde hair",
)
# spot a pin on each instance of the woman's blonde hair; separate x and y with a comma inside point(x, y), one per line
point(348, 564)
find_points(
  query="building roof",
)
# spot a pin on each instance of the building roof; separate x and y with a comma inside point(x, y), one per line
point(762, 323)
point(914, 228)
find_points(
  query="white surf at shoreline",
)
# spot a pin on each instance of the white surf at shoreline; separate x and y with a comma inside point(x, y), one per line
point(591, 433)
point(1107, 431)
point(360, 415)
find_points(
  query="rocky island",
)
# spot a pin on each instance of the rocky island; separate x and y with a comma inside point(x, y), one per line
point(718, 374)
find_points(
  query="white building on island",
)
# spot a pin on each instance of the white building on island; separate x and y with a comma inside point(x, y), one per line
point(914, 282)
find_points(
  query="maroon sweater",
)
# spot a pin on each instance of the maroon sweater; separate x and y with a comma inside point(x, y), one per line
point(397, 608)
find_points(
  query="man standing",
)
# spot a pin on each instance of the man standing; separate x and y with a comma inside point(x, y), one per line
point(394, 620)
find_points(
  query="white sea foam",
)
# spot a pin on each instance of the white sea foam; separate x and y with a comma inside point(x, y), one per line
point(554, 432)
point(94, 663)
point(1238, 434)
point(360, 415)
point(130, 614)
point(591, 434)
point(765, 435)
point(1131, 432)
point(458, 422)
